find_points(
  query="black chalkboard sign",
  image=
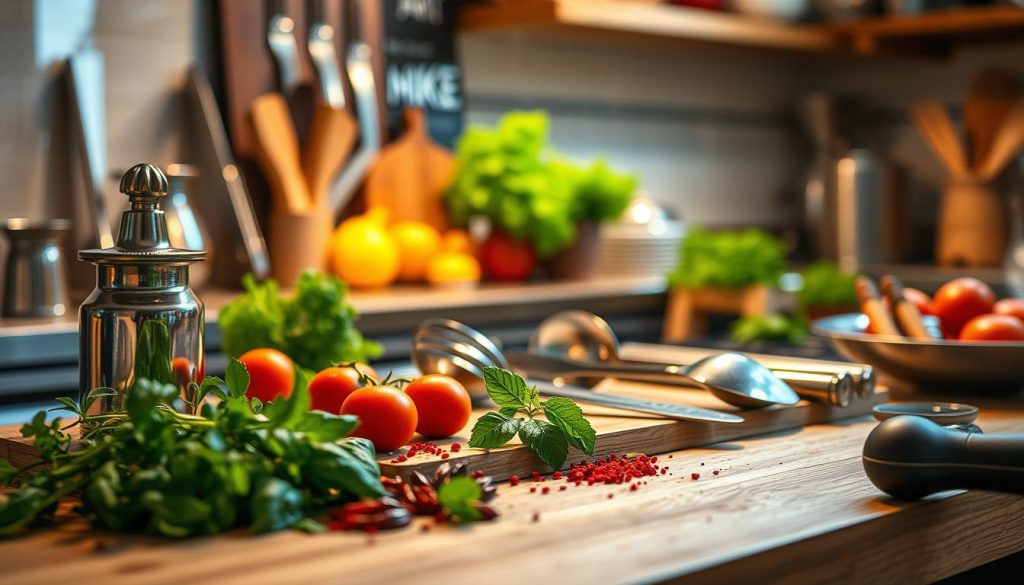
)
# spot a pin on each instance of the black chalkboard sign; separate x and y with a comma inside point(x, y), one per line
point(421, 67)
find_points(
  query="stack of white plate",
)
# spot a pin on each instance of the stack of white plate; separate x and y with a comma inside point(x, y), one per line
point(645, 242)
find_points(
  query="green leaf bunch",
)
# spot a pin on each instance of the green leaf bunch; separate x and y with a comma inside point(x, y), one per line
point(549, 438)
point(315, 327)
point(510, 175)
point(826, 285)
point(729, 259)
point(236, 464)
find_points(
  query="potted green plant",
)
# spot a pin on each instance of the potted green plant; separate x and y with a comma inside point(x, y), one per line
point(827, 290)
point(533, 199)
point(731, 272)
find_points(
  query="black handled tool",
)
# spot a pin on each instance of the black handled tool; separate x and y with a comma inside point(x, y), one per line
point(909, 457)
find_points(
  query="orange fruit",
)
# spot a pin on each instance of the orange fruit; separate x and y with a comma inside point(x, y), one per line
point(417, 242)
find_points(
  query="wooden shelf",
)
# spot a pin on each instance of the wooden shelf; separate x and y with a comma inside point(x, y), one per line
point(651, 20)
point(930, 31)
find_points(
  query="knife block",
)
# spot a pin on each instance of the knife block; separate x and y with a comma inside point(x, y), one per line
point(972, 225)
point(298, 242)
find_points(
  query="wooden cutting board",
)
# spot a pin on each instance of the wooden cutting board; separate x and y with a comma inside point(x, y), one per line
point(619, 432)
point(410, 175)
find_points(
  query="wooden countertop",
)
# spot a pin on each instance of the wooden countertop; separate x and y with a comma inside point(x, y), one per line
point(793, 506)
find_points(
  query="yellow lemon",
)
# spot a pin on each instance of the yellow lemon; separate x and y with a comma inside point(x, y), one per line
point(363, 253)
point(453, 269)
point(417, 243)
point(455, 240)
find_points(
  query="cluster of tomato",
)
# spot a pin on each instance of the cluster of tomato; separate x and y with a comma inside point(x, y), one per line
point(434, 406)
point(968, 311)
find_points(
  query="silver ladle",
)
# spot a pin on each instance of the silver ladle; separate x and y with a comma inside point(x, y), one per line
point(466, 363)
point(588, 342)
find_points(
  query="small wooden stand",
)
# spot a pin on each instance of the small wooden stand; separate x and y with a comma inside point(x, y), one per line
point(688, 308)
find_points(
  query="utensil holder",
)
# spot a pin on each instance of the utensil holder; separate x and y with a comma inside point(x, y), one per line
point(298, 242)
point(972, 225)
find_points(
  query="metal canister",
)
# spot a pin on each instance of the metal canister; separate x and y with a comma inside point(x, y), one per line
point(140, 279)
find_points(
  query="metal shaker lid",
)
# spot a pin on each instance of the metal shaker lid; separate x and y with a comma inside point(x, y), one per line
point(142, 235)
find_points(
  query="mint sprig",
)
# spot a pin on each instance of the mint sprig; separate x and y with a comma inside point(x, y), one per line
point(548, 439)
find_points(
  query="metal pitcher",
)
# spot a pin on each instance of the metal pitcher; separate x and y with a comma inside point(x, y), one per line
point(140, 279)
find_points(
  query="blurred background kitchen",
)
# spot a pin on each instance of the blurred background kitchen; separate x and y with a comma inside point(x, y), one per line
point(877, 136)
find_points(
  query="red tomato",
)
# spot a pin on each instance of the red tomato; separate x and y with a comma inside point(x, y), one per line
point(329, 389)
point(271, 374)
point(920, 299)
point(959, 301)
point(442, 404)
point(505, 259)
point(387, 417)
point(1012, 307)
point(993, 327)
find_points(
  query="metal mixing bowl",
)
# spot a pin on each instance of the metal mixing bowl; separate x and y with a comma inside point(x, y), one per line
point(947, 365)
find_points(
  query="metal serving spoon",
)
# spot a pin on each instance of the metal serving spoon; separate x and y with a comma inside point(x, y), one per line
point(587, 341)
point(466, 363)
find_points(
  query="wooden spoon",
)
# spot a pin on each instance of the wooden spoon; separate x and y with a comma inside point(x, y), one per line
point(278, 152)
point(1006, 143)
point(934, 122)
point(410, 175)
point(331, 138)
point(991, 98)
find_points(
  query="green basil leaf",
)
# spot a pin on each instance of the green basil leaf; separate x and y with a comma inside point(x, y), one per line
point(69, 406)
point(143, 399)
point(237, 378)
point(492, 430)
point(322, 427)
point(275, 505)
point(506, 388)
point(286, 412)
point(94, 395)
point(568, 417)
point(546, 441)
point(459, 497)
point(7, 472)
point(349, 465)
point(509, 411)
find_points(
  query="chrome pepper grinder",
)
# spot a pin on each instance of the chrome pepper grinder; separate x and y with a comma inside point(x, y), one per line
point(141, 279)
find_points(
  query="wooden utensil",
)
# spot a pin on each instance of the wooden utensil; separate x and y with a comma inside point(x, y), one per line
point(1006, 143)
point(278, 150)
point(410, 175)
point(989, 102)
point(934, 122)
point(331, 138)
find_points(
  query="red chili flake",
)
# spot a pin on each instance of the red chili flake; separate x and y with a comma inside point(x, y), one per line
point(664, 470)
point(715, 472)
point(671, 456)
point(632, 487)
point(424, 527)
point(561, 488)
point(610, 496)
point(444, 455)
point(533, 490)
point(654, 459)
point(477, 474)
point(456, 447)
point(545, 490)
point(694, 476)
point(513, 480)
point(536, 517)
point(556, 475)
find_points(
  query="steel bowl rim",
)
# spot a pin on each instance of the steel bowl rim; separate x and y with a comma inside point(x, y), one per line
point(820, 327)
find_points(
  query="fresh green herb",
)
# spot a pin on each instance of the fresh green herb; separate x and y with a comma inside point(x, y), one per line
point(509, 175)
point(315, 327)
point(548, 439)
point(460, 498)
point(826, 286)
point(153, 469)
point(728, 259)
point(769, 327)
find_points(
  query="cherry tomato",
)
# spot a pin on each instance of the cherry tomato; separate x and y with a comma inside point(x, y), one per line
point(959, 301)
point(505, 259)
point(993, 327)
point(329, 388)
point(271, 374)
point(442, 403)
point(1012, 307)
point(387, 417)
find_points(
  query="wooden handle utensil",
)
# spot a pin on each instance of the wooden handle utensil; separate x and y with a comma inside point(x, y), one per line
point(871, 305)
point(331, 138)
point(908, 318)
point(278, 149)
